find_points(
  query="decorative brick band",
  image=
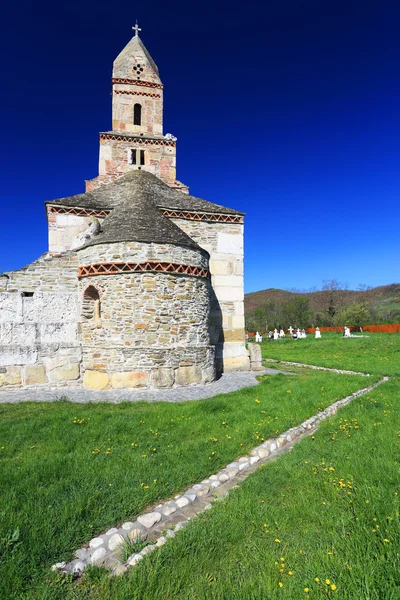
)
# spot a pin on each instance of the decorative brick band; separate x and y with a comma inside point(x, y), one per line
point(150, 84)
point(86, 212)
point(114, 268)
point(196, 216)
point(129, 93)
point(138, 140)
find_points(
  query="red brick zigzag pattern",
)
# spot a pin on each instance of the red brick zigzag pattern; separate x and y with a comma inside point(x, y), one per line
point(133, 93)
point(137, 82)
point(85, 212)
point(114, 268)
point(203, 216)
point(138, 140)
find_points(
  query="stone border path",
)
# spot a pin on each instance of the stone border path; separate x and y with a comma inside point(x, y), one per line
point(228, 382)
point(315, 367)
point(165, 519)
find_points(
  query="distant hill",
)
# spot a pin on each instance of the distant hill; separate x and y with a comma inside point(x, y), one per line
point(384, 300)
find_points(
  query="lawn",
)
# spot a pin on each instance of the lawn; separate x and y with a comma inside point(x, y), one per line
point(319, 522)
point(70, 471)
point(378, 353)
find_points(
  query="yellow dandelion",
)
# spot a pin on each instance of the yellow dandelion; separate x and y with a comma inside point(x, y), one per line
point(316, 579)
point(306, 590)
point(327, 581)
point(333, 587)
point(280, 584)
point(290, 573)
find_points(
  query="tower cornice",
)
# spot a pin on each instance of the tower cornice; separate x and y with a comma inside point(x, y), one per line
point(152, 84)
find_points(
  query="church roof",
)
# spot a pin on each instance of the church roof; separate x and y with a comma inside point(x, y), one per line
point(135, 200)
point(128, 186)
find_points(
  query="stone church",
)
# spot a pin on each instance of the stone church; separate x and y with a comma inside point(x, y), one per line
point(142, 284)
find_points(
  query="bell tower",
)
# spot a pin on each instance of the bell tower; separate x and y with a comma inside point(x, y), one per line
point(136, 140)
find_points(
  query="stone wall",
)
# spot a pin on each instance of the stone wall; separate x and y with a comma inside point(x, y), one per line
point(64, 227)
point(38, 324)
point(224, 243)
point(115, 158)
point(48, 273)
point(152, 328)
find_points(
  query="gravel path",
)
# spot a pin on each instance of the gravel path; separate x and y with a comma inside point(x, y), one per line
point(229, 382)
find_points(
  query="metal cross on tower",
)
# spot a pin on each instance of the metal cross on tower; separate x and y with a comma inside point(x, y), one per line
point(136, 29)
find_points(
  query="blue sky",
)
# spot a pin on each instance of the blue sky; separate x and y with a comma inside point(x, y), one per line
point(286, 110)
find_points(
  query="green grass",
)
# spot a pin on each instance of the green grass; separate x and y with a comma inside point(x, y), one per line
point(294, 509)
point(378, 353)
point(68, 472)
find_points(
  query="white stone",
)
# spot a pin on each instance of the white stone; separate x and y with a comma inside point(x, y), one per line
point(230, 243)
point(192, 497)
point(112, 531)
point(134, 559)
point(254, 459)
point(169, 509)
point(161, 541)
point(79, 567)
point(128, 525)
point(273, 447)
point(232, 472)
point(149, 519)
point(58, 566)
point(202, 490)
point(147, 549)
point(115, 541)
point(98, 556)
point(223, 477)
point(243, 465)
point(215, 484)
point(181, 502)
point(96, 542)
point(262, 452)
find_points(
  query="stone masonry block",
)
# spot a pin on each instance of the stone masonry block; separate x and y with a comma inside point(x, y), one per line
point(12, 376)
point(234, 335)
point(240, 363)
point(228, 280)
point(229, 294)
point(162, 378)
point(35, 374)
point(188, 375)
point(129, 379)
point(221, 267)
point(230, 243)
point(67, 373)
point(95, 380)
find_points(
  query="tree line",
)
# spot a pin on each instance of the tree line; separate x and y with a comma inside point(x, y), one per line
point(298, 312)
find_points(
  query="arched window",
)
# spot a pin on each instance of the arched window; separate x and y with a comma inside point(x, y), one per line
point(91, 304)
point(137, 114)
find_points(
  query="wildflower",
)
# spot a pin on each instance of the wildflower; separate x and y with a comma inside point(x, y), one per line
point(316, 579)
point(277, 541)
point(258, 402)
point(327, 581)
point(290, 573)
point(306, 590)
point(333, 587)
point(280, 584)
point(386, 540)
point(282, 559)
